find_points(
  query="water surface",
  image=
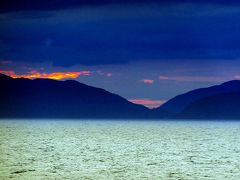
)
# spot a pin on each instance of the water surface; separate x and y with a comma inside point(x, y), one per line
point(42, 149)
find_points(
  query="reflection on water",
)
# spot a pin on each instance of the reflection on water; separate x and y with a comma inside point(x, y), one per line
point(119, 150)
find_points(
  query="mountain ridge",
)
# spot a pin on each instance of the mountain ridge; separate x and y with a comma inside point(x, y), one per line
point(46, 98)
point(214, 107)
point(179, 102)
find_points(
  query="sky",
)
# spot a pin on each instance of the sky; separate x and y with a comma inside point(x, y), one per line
point(146, 51)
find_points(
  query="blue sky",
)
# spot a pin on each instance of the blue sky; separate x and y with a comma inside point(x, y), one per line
point(137, 49)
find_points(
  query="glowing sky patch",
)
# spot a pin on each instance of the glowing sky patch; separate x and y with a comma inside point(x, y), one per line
point(148, 102)
point(54, 75)
point(148, 81)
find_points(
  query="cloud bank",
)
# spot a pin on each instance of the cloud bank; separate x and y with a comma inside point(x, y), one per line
point(119, 33)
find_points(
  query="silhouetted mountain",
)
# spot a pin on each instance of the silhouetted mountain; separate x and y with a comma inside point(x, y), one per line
point(45, 98)
point(180, 102)
point(4, 77)
point(221, 106)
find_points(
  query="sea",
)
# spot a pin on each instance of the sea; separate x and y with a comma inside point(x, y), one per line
point(119, 149)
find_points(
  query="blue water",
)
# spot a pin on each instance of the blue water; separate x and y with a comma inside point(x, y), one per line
point(47, 149)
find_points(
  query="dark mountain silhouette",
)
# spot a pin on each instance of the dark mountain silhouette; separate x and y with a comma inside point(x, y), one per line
point(177, 104)
point(45, 98)
point(221, 106)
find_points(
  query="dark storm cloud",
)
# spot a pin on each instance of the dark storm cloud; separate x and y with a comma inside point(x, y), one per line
point(25, 5)
point(119, 34)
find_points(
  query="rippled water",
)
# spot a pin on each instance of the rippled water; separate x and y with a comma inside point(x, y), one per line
point(119, 150)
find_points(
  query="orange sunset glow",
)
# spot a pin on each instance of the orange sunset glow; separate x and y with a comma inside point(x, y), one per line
point(54, 75)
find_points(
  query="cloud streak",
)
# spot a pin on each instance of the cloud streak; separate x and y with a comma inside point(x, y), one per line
point(148, 102)
point(5, 62)
point(54, 75)
point(194, 78)
point(148, 81)
point(102, 73)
